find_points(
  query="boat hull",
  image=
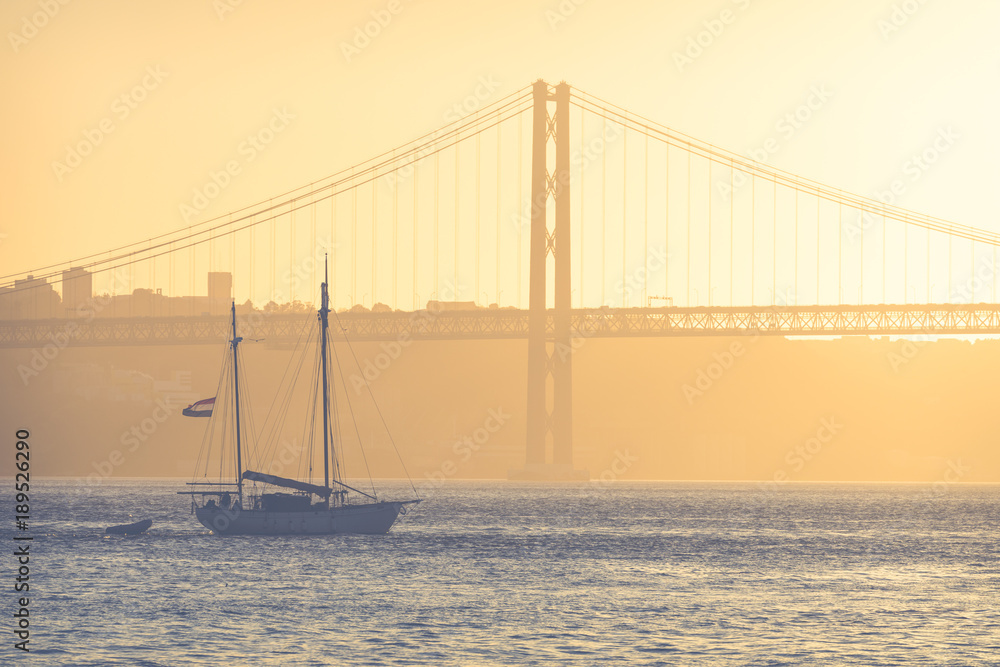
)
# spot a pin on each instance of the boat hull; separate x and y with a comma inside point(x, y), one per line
point(368, 519)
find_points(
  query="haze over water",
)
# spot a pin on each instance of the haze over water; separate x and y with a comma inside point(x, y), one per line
point(498, 573)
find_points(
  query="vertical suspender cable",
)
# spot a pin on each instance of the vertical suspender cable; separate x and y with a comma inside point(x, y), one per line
point(580, 187)
point(666, 229)
point(395, 242)
point(497, 282)
point(478, 192)
point(354, 242)
point(753, 237)
point(416, 218)
point(624, 208)
point(645, 228)
point(436, 239)
point(604, 215)
point(817, 247)
point(520, 216)
point(795, 282)
point(731, 239)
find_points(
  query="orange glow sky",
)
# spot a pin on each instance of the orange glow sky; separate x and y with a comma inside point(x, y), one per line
point(226, 72)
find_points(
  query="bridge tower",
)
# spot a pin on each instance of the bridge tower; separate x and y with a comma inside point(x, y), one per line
point(550, 352)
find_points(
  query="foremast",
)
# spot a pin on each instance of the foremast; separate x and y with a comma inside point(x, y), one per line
point(324, 311)
point(236, 399)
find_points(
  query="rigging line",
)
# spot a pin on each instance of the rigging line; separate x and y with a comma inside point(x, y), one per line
point(753, 237)
point(709, 234)
point(350, 407)
point(817, 250)
point(374, 237)
point(645, 228)
point(457, 216)
point(269, 429)
point(731, 198)
point(689, 230)
point(722, 156)
point(666, 230)
point(377, 409)
point(796, 281)
point(330, 187)
point(206, 436)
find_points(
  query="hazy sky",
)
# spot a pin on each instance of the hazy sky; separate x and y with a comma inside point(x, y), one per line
point(199, 76)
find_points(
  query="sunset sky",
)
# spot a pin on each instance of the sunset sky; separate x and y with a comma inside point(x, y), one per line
point(893, 78)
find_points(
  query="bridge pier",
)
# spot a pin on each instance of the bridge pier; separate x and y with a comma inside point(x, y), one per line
point(549, 354)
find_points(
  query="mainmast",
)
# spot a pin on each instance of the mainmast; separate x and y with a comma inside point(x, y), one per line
point(324, 324)
point(236, 395)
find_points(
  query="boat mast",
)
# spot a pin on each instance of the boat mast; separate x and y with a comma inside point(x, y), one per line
point(236, 394)
point(324, 324)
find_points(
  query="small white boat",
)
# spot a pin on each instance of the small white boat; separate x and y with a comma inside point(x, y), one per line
point(136, 528)
point(250, 505)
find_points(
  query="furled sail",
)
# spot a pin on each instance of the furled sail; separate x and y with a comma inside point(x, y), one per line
point(321, 491)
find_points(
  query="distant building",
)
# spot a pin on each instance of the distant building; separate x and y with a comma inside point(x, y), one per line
point(30, 298)
point(451, 305)
point(220, 292)
point(77, 291)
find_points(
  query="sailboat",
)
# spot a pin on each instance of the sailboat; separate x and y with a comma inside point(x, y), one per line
point(248, 505)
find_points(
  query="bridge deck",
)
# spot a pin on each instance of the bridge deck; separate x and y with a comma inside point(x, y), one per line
point(933, 319)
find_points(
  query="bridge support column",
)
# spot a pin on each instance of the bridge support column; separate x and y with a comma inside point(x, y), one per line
point(550, 352)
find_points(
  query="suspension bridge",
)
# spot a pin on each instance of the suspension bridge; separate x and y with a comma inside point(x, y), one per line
point(570, 216)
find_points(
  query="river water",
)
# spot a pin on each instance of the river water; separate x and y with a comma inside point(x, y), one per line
point(498, 573)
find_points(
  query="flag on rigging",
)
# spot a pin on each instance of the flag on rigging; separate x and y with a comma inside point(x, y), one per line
point(200, 409)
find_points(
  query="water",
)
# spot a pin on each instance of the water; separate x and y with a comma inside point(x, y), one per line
point(493, 573)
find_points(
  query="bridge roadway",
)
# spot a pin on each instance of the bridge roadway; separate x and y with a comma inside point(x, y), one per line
point(507, 323)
